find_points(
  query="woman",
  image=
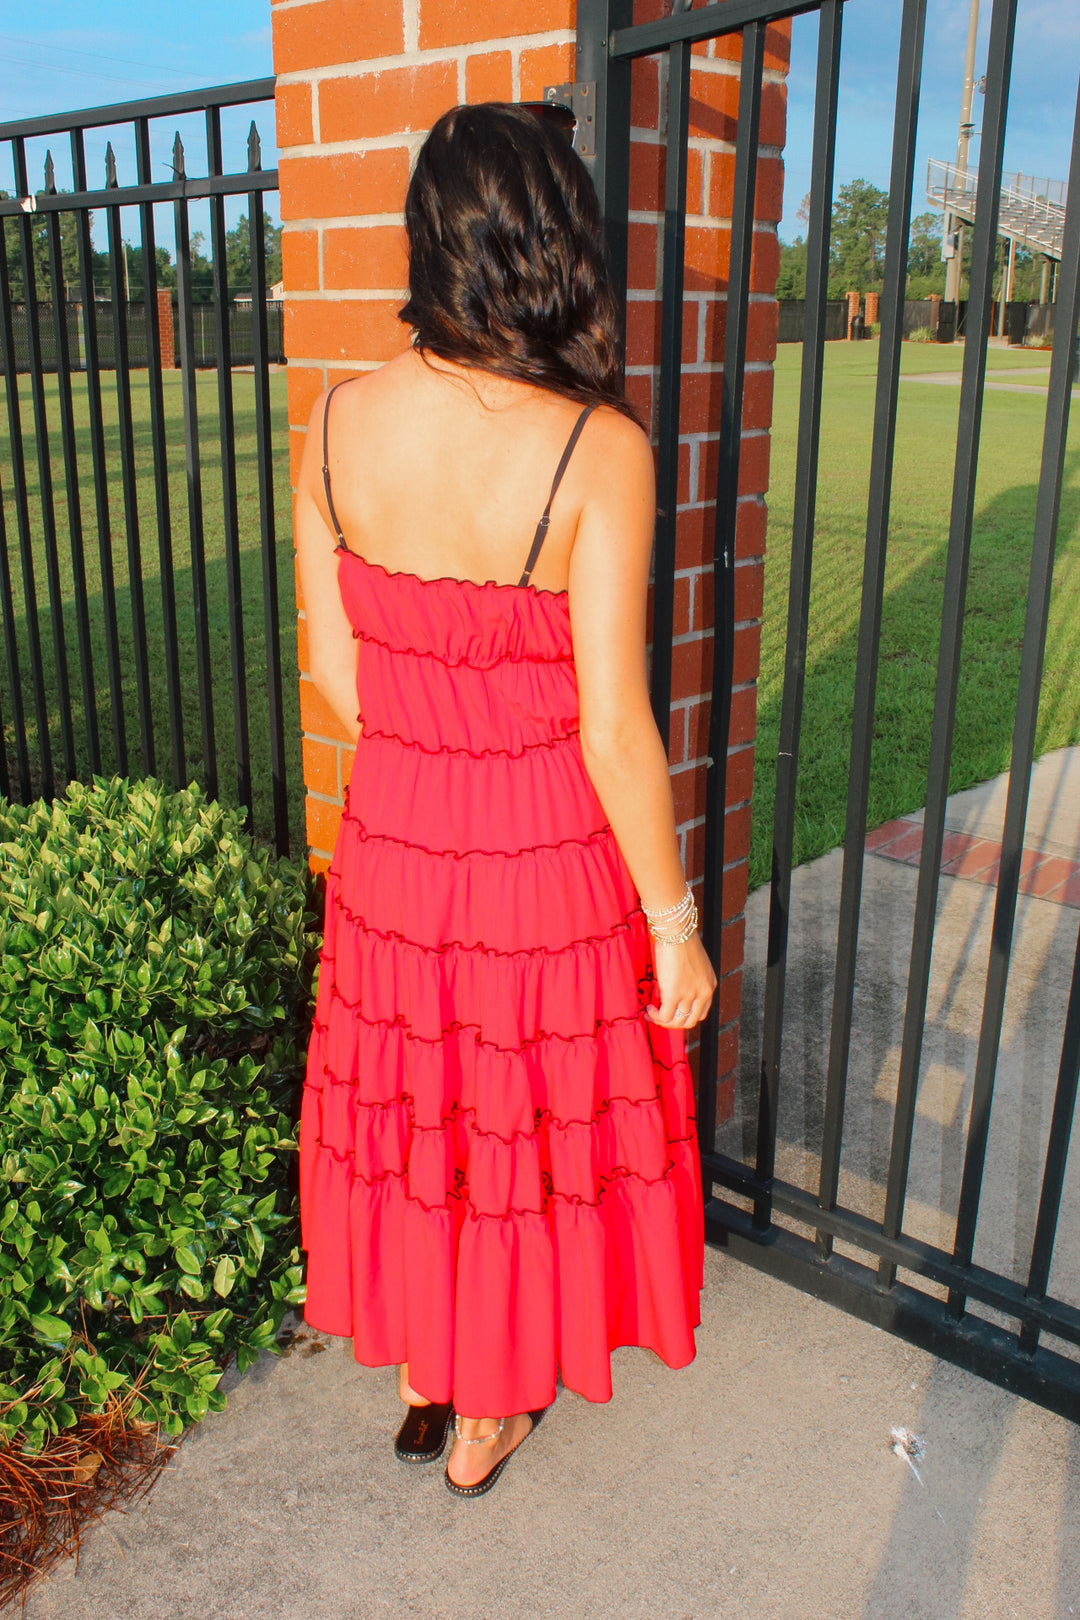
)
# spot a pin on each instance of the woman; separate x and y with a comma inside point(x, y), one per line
point(499, 1178)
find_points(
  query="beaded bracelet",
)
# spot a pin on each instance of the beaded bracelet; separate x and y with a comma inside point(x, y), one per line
point(686, 933)
point(681, 920)
point(668, 911)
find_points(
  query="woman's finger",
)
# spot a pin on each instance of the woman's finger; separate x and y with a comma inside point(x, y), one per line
point(697, 1011)
point(666, 1013)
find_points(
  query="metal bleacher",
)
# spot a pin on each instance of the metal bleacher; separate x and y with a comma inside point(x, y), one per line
point(1031, 211)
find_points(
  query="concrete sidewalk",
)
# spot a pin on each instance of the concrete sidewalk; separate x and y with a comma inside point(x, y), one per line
point(995, 380)
point(757, 1484)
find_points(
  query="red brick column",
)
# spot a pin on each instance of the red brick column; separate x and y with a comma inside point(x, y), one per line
point(165, 328)
point(872, 308)
point(359, 84)
point(854, 303)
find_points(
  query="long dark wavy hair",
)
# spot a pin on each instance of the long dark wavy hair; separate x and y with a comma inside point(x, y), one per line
point(506, 259)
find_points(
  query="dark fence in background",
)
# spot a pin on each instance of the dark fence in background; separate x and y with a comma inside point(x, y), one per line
point(920, 314)
point(793, 320)
point(242, 346)
point(136, 649)
point(1023, 321)
point(1038, 320)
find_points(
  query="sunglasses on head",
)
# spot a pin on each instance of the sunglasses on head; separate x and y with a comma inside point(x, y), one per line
point(555, 115)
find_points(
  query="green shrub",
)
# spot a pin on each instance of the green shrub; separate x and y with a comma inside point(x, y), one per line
point(922, 334)
point(155, 999)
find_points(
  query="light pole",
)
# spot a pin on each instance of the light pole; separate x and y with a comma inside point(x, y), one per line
point(954, 265)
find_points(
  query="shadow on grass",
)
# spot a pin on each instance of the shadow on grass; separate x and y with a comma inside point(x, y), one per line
point(911, 620)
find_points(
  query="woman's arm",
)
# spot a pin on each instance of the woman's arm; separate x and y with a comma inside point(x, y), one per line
point(331, 643)
point(622, 748)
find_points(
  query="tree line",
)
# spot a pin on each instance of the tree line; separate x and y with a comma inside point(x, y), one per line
point(237, 261)
point(860, 217)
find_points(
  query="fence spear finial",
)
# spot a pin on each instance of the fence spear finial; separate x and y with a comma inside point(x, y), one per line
point(179, 169)
point(50, 175)
point(110, 165)
point(254, 149)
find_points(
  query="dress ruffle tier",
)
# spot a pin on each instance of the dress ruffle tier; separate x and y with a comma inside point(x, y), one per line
point(499, 1172)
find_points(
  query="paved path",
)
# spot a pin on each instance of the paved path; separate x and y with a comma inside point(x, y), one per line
point(994, 379)
point(1050, 865)
point(757, 1484)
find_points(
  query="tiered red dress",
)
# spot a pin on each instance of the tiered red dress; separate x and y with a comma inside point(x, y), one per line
point(499, 1174)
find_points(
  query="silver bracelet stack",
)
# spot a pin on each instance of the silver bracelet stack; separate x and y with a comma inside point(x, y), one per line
point(677, 923)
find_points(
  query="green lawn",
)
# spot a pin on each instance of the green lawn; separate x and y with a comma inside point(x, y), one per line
point(997, 590)
point(252, 589)
point(1012, 434)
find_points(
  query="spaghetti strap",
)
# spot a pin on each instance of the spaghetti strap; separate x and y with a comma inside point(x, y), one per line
point(542, 526)
point(326, 468)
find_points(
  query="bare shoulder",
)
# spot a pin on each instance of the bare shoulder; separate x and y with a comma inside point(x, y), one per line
point(619, 439)
point(609, 562)
point(349, 394)
point(371, 390)
point(355, 400)
point(619, 467)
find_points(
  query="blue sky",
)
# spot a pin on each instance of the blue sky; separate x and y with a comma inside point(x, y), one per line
point(1041, 108)
point(56, 55)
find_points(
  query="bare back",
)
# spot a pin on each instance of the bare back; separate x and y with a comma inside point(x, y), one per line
point(443, 471)
point(437, 472)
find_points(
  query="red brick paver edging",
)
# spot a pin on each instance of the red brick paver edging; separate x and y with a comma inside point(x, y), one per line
point(1050, 877)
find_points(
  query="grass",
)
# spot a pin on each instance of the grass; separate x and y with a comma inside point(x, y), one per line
point(922, 482)
point(996, 596)
point(251, 589)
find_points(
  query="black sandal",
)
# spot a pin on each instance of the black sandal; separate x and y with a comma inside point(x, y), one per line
point(422, 1436)
point(489, 1479)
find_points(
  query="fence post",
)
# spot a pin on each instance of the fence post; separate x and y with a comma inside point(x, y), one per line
point(165, 328)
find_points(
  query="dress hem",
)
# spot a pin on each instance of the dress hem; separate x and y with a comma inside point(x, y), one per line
point(561, 1383)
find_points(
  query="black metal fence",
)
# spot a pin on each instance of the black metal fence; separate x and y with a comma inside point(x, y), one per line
point(205, 320)
point(1012, 1328)
point(156, 453)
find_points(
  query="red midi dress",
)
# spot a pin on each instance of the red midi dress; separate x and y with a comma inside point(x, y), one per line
point(499, 1178)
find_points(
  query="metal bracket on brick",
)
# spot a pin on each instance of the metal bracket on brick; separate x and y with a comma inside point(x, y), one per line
point(580, 97)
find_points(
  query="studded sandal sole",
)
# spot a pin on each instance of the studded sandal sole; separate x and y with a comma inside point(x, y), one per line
point(489, 1479)
point(422, 1436)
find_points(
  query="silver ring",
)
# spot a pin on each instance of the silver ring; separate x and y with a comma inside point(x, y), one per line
point(681, 1012)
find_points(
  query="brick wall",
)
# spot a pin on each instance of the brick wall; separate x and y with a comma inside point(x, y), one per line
point(358, 86)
